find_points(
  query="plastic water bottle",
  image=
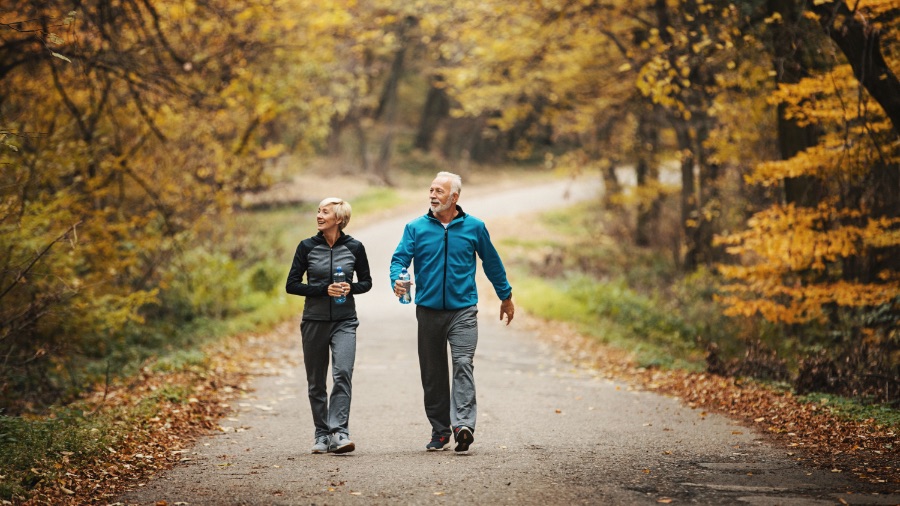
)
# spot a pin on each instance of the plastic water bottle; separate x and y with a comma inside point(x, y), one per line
point(406, 298)
point(339, 277)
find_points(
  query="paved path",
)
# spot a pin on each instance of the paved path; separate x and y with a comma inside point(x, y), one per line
point(548, 433)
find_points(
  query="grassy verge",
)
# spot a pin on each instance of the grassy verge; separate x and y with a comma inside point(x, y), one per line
point(852, 410)
point(615, 315)
point(621, 297)
point(567, 269)
point(86, 451)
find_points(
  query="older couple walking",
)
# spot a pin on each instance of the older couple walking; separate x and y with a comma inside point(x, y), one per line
point(441, 246)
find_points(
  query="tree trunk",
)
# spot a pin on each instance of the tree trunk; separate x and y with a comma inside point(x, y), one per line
point(437, 107)
point(688, 196)
point(709, 203)
point(383, 164)
point(363, 146)
point(646, 169)
point(790, 67)
point(333, 144)
point(387, 105)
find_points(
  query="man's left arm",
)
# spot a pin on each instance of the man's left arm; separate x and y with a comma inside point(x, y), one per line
point(496, 273)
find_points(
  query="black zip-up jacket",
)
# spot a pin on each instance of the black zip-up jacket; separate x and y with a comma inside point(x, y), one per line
point(319, 261)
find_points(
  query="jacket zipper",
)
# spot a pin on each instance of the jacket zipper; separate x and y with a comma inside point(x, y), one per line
point(331, 273)
point(446, 257)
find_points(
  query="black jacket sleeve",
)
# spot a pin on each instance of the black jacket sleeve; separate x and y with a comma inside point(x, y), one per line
point(295, 284)
point(361, 268)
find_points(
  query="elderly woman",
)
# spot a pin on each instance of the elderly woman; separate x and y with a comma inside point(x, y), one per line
point(329, 325)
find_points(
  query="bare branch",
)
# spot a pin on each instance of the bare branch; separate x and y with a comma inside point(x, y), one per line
point(43, 252)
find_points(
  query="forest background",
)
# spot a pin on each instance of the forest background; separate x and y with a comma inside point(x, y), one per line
point(750, 224)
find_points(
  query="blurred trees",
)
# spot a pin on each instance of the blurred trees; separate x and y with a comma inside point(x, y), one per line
point(826, 252)
point(130, 129)
point(127, 128)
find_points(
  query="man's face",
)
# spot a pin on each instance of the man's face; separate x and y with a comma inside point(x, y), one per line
point(440, 195)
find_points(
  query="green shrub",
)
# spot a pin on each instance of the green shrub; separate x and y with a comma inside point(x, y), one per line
point(267, 276)
point(203, 283)
point(181, 360)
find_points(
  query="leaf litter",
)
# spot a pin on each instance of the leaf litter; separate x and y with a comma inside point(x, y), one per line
point(811, 435)
point(165, 436)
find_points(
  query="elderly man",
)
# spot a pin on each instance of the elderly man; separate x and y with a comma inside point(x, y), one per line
point(442, 245)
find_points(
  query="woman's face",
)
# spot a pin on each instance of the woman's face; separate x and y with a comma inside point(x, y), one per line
point(326, 220)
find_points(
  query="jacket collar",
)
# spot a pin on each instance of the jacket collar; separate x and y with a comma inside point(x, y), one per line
point(341, 238)
point(460, 214)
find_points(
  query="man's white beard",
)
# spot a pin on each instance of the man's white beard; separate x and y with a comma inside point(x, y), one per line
point(440, 208)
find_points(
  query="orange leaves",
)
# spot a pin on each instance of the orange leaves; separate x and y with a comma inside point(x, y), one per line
point(825, 161)
point(802, 303)
point(833, 251)
point(799, 238)
point(793, 261)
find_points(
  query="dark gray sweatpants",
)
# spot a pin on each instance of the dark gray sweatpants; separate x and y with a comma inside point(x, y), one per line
point(446, 408)
point(340, 339)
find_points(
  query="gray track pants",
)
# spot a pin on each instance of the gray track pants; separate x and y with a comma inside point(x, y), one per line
point(445, 408)
point(340, 338)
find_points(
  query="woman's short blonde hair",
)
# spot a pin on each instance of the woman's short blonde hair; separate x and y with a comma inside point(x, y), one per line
point(342, 210)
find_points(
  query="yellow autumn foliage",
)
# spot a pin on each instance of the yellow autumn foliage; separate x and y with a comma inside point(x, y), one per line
point(124, 148)
point(800, 263)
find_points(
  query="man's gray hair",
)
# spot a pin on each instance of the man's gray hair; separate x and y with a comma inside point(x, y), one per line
point(455, 181)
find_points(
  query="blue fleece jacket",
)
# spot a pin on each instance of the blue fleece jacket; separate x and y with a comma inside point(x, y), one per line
point(443, 261)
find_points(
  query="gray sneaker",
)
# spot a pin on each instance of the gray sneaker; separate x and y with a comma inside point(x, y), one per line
point(321, 445)
point(340, 443)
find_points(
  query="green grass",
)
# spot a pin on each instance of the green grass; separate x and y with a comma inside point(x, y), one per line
point(623, 296)
point(614, 315)
point(851, 409)
point(374, 200)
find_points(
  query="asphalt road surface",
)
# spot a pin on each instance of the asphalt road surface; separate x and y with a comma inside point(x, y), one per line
point(548, 432)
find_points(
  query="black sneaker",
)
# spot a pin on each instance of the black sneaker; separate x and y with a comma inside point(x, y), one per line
point(438, 443)
point(464, 438)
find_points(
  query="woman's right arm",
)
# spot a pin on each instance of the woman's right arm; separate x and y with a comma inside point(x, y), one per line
point(295, 284)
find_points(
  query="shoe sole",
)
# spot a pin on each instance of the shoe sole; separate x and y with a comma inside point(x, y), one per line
point(347, 448)
point(445, 447)
point(318, 452)
point(464, 439)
